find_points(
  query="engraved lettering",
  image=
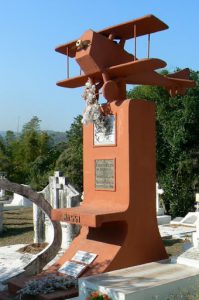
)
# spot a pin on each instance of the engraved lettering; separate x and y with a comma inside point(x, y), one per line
point(105, 174)
point(72, 218)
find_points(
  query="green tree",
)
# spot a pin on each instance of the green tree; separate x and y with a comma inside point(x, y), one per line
point(5, 164)
point(30, 154)
point(70, 161)
point(177, 144)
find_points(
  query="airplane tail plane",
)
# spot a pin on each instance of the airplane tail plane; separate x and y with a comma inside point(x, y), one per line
point(180, 76)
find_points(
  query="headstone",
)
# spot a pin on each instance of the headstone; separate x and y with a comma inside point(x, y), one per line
point(196, 234)
point(1, 217)
point(60, 194)
point(19, 200)
point(189, 220)
point(2, 192)
point(160, 209)
point(2, 199)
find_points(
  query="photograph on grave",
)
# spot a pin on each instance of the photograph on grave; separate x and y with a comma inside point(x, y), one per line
point(106, 133)
point(84, 257)
point(71, 268)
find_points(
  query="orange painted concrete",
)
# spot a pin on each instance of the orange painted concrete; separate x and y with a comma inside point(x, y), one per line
point(120, 226)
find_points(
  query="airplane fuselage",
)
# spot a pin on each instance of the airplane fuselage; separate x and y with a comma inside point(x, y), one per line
point(100, 53)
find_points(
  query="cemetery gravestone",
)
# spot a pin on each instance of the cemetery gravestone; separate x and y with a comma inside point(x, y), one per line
point(60, 194)
point(118, 150)
point(1, 217)
point(2, 200)
point(118, 215)
point(160, 210)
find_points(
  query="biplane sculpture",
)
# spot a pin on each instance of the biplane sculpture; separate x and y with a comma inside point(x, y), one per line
point(118, 214)
point(103, 59)
point(119, 178)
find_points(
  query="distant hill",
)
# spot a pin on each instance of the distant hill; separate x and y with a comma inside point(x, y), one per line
point(56, 136)
point(2, 133)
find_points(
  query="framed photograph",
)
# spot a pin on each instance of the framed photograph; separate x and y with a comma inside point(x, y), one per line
point(105, 134)
point(84, 257)
point(72, 268)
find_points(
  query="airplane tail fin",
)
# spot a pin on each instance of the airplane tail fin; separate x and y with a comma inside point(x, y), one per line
point(183, 74)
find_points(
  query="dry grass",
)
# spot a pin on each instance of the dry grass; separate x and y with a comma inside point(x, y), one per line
point(175, 247)
point(18, 227)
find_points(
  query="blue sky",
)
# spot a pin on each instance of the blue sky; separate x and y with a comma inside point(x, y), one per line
point(29, 66)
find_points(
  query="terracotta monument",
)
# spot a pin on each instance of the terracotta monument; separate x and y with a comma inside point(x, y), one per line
point(118, 214)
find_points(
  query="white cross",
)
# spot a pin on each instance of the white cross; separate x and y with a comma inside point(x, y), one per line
point(158, 193)
point(197, 202)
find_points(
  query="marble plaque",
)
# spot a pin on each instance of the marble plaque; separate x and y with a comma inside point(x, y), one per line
point(72, 269)
point(105, 174)
point(105, 134)
point(84, 257)
point(190, 219)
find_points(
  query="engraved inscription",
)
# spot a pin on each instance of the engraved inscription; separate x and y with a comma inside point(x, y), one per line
point(72, 218)
point(105, 174)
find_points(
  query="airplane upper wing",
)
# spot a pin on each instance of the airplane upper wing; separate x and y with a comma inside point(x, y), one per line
point(145, 25)
point(71, 48)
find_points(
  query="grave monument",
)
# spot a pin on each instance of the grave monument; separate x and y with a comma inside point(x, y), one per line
point(60, 194)
point(118, 215)
point(3, 200)
point(2, 195)
point(160, 209)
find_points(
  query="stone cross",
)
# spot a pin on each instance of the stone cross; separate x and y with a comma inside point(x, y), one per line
point(2, 192)
point(2, 198)
point(60, 194)
point(196, 234)
point(197, 202)
point(159, 209)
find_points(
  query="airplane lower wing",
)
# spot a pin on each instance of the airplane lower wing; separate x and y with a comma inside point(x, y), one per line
point(122, 71)
point(135, 67)
point(73, 82)
point(137, 72)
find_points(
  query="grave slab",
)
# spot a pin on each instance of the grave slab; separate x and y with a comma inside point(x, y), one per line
point(157, 280)
point(12, 263)
point(189, 257)
point(175, 230)
point(164, 219)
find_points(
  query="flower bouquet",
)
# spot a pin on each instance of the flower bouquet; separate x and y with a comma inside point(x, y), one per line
point(98, 296)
